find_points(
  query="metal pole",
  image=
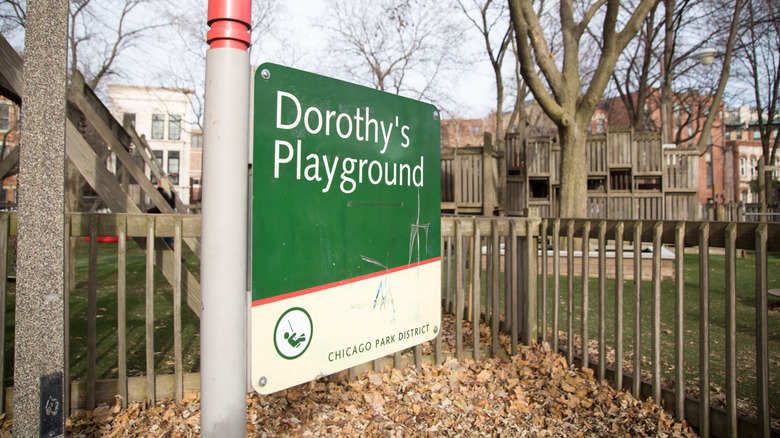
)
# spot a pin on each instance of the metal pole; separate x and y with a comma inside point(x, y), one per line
point(224, 220)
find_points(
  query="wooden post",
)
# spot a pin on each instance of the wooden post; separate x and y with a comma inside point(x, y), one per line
point(488, 177)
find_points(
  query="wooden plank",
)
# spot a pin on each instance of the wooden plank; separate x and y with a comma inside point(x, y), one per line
point(585, 297)
point(149, 315)
point(84, 158)
point(11, 80)
point(122, 313)
point(475, 299)
point(92, 314)
point(178, 369)
point(731, 330)
point(679, 323)
point(655, 336)
point(459, 289)
point(3, 303)
point(9, 162)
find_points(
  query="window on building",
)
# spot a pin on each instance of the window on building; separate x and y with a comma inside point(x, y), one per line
point(743, 167)
point(174, 127)
point(173, 166)
point(739, 135)
point(5, 117)
point(753, 168)
point(158, 126)
point(728, 135)
point(131, 116)
point(756, 134)
point(709, 176)
point(197, 141)
point(600, 125)
point(475, 129)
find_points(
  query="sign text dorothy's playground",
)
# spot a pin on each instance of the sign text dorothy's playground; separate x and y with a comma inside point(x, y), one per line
point(346, 225)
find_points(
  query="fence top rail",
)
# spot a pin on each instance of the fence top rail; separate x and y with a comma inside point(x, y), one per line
point(109, 224)
point(484, 224)
point(746, 231)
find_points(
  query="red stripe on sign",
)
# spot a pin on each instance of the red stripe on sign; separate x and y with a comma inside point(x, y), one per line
point(340, 283)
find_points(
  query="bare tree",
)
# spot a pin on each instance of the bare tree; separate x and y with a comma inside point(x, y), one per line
point(100, 31)
point(491, 19)
point(12, 15)
point(186, 66)
point(398, 46)
point(560, 90)
point(759, 63)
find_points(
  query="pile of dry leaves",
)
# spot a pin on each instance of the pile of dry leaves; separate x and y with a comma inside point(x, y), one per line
point(534, 393)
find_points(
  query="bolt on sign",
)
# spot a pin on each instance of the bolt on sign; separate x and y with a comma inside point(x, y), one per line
point(346, 226)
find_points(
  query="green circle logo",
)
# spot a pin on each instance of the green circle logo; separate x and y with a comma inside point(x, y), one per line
point(293, 333)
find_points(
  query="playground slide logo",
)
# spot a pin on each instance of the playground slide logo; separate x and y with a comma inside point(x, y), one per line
point(293, 332)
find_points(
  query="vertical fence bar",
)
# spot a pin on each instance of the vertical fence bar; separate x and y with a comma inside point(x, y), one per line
point(3, 300)
point(92, 312)
point(178, 373)
point(490, 254)
point(731, 329)
point(531, 325)
point(459, 277)
point(149, 316)
point(69, 281)
point(121, 309)
point(655, 339)
point(570, 291)
point(448, 296)
point(439, 356)
point(495, 312)
point(704, 330)
point(637, 383)
point(509, 254)
point(619, 306)
point(512, 311)
point(545, 284)
point(602, 371)
point(762, 333)
point(556, 236)
point(476, 281)
point(585, 319)
point(4, 219)
point(679, 324)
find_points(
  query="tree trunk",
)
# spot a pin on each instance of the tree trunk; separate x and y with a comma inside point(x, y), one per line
point(574, 171)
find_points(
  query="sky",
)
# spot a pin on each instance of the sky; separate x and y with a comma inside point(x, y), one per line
point(472, 89)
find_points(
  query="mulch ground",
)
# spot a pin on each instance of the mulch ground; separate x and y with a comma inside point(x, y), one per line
point(533, 394)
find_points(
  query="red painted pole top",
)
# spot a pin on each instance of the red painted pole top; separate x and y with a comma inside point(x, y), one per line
point(230, 21)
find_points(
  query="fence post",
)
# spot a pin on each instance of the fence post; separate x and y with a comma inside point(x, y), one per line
point(530, 310)
point(488, 180)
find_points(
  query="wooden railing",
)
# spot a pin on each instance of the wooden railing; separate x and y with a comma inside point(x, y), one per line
point(519, 276)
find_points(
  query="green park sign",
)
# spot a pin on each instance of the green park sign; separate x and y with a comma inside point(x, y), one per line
point(346, 226)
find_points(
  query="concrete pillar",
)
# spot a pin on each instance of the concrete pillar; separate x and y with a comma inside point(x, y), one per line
point(40, 296)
